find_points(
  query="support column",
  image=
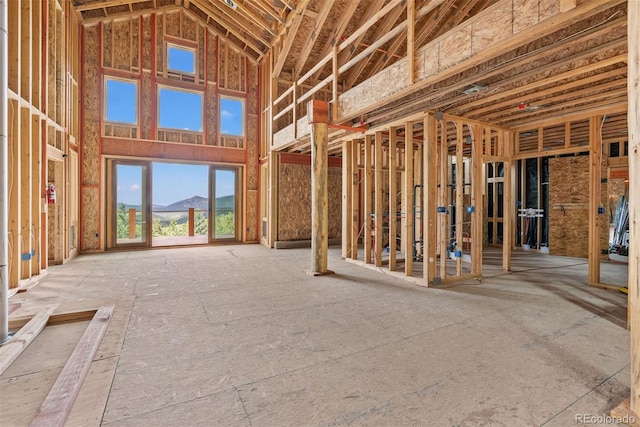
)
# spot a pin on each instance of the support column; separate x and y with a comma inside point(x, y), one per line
point(379, 206)
point(429, 191)
point(633, 85)
point(4, 175)
point(318, 117)
point(508, 223)
point(366, 199)
point(631, 407)
point(347, 199)
point(407, 193)
point(354, 180)
point(595, 159)
point(393, 201)
point(477, 184)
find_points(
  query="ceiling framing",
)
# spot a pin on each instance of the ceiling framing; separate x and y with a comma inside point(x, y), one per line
point(572, 71)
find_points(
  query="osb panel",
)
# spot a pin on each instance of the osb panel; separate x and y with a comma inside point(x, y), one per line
point(569, 189)
point(252, 215)
point(211, 110)
point(125, 131)
point(107, 45)
point(456, 47)
point(252, 152)
point(190, 28)
point(201, 51)
point(135, 42)
point(172, 24)
point(90, 218)
point(616, 188)
point(252, 96)
point(146, 42)
point(232, 142)
point(91, 109)
point(212, 57)
point(525, 14)
point(294, 202)
point(222, 60)
point(147, 93)
point(488, 33)
point(549, 8)
point(159, 44)
point(284, 136)
point(427, 62)
point(235, 70)
point(122, 45)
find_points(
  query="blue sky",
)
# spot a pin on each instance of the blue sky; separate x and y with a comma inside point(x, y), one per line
point(179, 110)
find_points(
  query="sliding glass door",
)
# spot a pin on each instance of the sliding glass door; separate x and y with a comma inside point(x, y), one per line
point(129, 213)
point(224, 203)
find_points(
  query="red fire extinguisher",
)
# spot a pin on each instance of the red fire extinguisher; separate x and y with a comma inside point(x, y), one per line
point(51, 194)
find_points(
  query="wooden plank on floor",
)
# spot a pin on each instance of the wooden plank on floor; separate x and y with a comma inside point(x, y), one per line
point(21, 340)
point(57, 405)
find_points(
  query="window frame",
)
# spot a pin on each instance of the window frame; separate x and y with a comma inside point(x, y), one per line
point(105, 114)
point(243, 123)
point(170, 45)
point(179, 89)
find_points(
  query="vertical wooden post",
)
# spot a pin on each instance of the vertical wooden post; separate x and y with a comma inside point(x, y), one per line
point(393, 201)
point(379, 208)
point(355, 198)
point(272, 194)
point(367, 203)
point(407, 194)
point(192, 218)
point(318, 117)
point(477, 216)
point(132, 223)
point(633, 87)
point(459, 195)
point(334, 84)
point(631, 407)
point(411, 49)
point(508, 214)
point(347, 198)
point(442, 200)
point(595, 159)
point(429, 167)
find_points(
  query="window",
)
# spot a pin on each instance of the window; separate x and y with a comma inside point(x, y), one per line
point(121, 101)
point(231, 116)
point(180, 109)
point(181, 59)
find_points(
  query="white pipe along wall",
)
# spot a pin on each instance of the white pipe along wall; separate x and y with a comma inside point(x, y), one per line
point(4, 173)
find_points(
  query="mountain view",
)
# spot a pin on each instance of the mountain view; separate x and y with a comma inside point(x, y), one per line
point(199, 203)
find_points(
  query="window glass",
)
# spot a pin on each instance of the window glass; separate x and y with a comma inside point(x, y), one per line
point(231, 116)
point(181, 59)
point(179, 109)
point(121, 101)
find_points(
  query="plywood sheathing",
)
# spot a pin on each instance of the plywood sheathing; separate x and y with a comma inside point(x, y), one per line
point(294, 202)
point(568, 207)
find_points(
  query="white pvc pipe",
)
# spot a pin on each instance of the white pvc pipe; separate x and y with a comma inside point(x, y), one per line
point(4, 173)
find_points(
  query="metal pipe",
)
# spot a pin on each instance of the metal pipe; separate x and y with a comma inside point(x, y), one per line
point(4, 173)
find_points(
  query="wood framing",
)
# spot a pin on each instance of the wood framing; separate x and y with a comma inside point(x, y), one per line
point(407, 192)
point(367, 200)
point(429, 222)
point(379, 202)
point(393, 199)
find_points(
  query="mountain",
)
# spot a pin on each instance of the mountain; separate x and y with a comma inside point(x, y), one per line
point(197, 202)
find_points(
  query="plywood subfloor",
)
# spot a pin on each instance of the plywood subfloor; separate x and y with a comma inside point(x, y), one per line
point(241, 335)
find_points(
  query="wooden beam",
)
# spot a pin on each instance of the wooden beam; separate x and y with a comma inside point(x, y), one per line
point(393, 200)
point(319, 198)
point(367, 203)
point(57, 405)
point(355, 198)
point(11, 349)
point(347, 197)
point(509, 208)
point(407, 194)
point(293, 24)
point(411, 48)
point(379, 205)
point(595, 160)
point(318, 24)
point(429, 223)
point(443, 200)
point(459, 195)
point(633, 120)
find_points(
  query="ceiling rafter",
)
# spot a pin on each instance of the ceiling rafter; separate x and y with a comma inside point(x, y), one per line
point(336, 34)
point(234, 24)
point(311, 38)
point(105, 4)
point(227, 14)
point(249, 13)
point(293, 22)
